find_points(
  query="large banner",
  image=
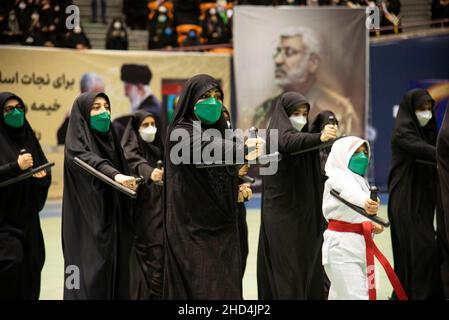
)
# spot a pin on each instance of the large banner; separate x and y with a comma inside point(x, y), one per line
point(319, 52)
point(48, 80)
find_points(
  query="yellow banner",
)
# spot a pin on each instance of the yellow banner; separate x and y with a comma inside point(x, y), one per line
point(48, 81)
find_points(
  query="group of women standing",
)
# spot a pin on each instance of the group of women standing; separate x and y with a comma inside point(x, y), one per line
point(185, 236)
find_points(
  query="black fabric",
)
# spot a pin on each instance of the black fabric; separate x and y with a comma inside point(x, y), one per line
point(291, 232)
point(135, 73)
point(317, 125)
point(136, 12)
point(22, 251)
point(186, 12)
point(412, 202)
point(202, 242)
point(147, 254)
point(243, 229)
point(443, 174)
point(96, 219)
point(62, 131)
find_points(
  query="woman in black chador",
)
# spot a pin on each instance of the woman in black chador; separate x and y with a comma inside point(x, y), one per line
point(413, 194)
point(142, 152)
point(202, 238)
point(291, 232)
point(22, 251)
point(96, 218)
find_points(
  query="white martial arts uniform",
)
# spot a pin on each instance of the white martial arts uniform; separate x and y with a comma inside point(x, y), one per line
point(344, 253)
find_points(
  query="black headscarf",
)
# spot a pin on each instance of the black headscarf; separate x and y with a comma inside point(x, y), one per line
point(406, 120)
point(317, 126)
point(17, 138)
point(286, 105)
point(321, 120)
point(193, 90)
point(288, 139)
point(89, 145)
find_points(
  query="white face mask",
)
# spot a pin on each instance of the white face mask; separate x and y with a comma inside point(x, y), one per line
point(229, 124)
point(298, 122)
point(148, 134)
point(424, 117)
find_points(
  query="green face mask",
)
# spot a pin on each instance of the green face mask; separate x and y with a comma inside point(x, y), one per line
point(101, 122)
point(15, 118)
point(358, 163)
point(208, 111)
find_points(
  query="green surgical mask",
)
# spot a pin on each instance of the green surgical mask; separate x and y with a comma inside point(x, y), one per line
point(15, 118)
point(101, 122)
point(358, 163)
point(208, 111)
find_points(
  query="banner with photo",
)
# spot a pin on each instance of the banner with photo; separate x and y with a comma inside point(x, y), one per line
point(48, 80)
point(319, 52)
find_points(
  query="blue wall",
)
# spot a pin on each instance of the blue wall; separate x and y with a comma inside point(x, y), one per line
point(395, 66)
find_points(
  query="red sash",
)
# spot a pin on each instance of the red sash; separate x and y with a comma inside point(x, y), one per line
point(371, 252)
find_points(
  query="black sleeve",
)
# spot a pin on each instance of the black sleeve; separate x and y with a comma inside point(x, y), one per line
point(108, 170)
point(415, 146)
point(145, 170)
point(230, 149)
point(296, 141)
point(9, 170)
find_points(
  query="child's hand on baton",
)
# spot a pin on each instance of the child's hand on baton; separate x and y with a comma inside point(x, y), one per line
point(377, 228)
point(371, 206)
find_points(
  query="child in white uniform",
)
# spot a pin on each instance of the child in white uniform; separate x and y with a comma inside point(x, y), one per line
point(344, 253)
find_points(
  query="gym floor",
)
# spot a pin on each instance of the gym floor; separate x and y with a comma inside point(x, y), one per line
point(53, 272)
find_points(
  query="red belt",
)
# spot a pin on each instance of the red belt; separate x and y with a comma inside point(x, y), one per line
point(371, 252)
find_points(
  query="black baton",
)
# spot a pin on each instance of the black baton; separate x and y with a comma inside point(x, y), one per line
point(97, 174)
point(29, 173)
point(159, 165)
point(361, 211)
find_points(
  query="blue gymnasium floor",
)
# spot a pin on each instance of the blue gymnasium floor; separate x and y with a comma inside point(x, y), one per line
point(53, 272)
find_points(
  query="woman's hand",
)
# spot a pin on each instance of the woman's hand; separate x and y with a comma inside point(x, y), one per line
point(40, 174)
point(371, 206)
point(257, 145)
point(25, 161)
point(126, 181)
point(245, 192)
point(329, 132)
point(243, 171)
point(157, 175)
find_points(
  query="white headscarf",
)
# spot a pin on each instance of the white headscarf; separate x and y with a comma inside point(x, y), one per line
point(341, 152)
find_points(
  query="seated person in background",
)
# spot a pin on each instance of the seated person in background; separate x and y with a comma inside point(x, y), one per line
point(161, 28)
point(216, 26)
point(77, 39)
point(117, 37)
